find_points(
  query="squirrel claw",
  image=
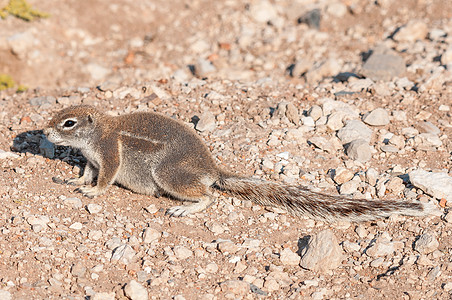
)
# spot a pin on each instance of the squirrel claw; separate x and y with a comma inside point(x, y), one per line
point(89, 191)
point(74, 181)
point(177, 211)
point(58, 180)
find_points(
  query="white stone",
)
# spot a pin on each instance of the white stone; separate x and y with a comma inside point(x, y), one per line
point(151, 234)
point(438, 185)
point(380, 249)
point(412, 31)
point(377, 117)
point(5, 295)
point(359, 150)
point(135, 291)
point(426, 244)
point(288, 257)
point(94, 208)
point(182, 252)
point(342, 175)
point(354, 130)
point(7, 154)
point(38, 220)
point(104, 296)
point(322, 252)
point(206, 122)
point(263, 11)
point(73, 202)
point(76, 226)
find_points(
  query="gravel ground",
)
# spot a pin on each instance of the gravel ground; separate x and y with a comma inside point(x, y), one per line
point(347, 97)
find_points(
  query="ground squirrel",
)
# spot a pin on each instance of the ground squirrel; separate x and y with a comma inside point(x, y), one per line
point(150, 153)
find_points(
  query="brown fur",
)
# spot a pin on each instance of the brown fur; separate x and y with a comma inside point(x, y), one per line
point(150, 153)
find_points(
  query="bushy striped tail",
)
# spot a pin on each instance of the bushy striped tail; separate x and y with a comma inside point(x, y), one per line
point(300, 201)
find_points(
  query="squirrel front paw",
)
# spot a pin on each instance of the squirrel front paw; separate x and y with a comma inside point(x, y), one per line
point(90, 191)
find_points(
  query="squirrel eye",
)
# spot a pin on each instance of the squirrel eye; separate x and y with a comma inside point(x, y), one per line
point(69, 123)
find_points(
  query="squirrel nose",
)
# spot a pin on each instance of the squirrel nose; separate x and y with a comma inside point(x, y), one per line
point(46, 131)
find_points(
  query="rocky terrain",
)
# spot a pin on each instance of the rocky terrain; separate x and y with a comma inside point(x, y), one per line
point(344, 97)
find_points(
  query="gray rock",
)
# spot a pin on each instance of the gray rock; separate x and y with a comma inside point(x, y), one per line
point(288, 257)
point(123, 253)
point(38, 101)
point(311, 18)
point(433, 273)
point(426, 244)
point(383, 66)
point(377, 117)
point(322, 252)
point(135, 291)
point(354, 130)
point(206, 122)
point(412, 31)
point(359, 150)
point(438, 185)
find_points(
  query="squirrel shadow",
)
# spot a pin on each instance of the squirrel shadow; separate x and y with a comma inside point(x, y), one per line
point(36, 143)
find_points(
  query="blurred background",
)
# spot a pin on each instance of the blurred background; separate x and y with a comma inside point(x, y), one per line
point(86, 43)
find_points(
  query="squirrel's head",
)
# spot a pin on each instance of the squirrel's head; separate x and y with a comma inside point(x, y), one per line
point(72, 126)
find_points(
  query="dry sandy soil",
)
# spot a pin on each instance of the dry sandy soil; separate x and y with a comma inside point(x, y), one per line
point(252, 73)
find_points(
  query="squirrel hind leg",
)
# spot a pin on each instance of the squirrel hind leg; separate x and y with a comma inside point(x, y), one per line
point(185, 185)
